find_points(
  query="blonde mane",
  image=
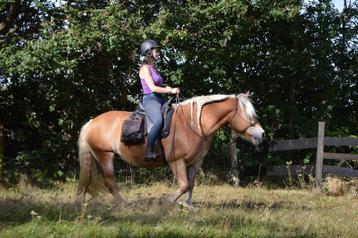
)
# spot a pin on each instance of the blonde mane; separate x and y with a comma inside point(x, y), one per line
point(243, 100)
point(246, 104)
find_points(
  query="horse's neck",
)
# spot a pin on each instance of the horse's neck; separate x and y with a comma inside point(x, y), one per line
point(205, 118)
point(215, 115)
point(189, 139)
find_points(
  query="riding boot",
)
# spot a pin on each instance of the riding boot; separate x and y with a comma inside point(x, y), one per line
point(150, 154)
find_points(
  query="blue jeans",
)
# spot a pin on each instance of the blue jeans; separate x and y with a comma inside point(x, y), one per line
point(152, 104)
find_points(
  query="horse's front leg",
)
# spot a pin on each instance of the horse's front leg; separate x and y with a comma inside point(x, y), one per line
point(178, 168)
point(192, 170)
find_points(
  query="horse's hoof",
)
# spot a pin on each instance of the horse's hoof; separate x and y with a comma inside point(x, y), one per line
point(164, 201)
point(121, 203)
point(166, 204)
point(188, 206)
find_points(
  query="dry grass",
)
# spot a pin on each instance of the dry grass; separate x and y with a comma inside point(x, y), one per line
point(224, 211)
point(334, 186)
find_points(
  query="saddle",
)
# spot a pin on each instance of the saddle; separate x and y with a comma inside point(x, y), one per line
point(138, 125)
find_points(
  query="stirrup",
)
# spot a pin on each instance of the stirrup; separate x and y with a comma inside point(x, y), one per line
point(150, 155)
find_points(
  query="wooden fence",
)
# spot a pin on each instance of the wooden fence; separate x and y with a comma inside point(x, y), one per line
point(335, 156)
point(316, 143)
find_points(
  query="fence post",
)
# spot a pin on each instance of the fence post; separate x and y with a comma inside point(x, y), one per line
point(234, 160)
point(319, 156)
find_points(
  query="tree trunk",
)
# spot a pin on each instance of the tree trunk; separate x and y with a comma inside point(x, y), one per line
point(1, 149)
point(293, 106)
point(234, 161)
point(13, 12)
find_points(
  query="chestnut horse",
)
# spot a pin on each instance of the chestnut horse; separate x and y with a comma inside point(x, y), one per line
point(193, 124)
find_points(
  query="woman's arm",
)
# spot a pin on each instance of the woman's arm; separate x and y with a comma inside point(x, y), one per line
point(145, 74)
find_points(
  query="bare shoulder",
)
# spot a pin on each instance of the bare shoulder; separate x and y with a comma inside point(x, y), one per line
point(144, 69)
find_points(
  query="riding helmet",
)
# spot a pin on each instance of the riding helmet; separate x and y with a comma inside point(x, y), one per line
point(147, 46)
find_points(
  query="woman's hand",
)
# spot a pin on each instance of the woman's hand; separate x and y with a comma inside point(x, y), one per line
point(173, 90)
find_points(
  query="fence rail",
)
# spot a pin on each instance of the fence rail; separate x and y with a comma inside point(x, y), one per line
point(311, 143)
point(340, 156)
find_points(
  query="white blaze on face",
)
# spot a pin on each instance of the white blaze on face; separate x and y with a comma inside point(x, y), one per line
point(256, 134)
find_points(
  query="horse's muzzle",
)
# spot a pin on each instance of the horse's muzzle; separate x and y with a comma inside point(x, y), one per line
point(257, 136)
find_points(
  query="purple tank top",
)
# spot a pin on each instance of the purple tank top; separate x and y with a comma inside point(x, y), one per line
point(157, 78)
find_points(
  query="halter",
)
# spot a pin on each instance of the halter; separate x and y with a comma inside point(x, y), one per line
point(251, 124)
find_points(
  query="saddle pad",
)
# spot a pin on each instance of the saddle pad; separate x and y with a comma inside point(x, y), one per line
point(133, 131)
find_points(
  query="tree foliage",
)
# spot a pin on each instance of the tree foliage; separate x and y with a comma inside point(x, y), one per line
point(62, 65)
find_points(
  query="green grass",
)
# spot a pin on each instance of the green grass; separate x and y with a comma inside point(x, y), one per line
point(223, 211)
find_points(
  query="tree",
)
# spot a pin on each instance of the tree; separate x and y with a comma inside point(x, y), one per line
point(62, 65)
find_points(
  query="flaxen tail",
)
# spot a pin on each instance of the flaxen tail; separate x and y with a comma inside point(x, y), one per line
point(91, 176)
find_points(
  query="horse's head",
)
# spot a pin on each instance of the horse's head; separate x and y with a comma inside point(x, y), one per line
point(244, 120)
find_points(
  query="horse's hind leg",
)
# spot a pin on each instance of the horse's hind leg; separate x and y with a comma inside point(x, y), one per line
point(106, 161)
point(81, 194)
point(87, 167)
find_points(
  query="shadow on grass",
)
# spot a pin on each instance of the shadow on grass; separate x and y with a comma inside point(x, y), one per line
point(143, 210)
point(148, 214)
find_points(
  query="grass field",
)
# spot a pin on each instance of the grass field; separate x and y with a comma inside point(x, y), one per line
point(223, 211)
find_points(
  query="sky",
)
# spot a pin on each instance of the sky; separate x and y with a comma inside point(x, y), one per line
point(338, 4)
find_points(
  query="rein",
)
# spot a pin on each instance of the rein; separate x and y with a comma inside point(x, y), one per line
point(177, 101)
point(203, 137)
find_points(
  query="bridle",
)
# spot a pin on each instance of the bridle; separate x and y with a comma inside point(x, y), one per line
point(250, 123)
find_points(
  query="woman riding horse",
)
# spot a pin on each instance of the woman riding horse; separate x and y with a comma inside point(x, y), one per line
point(193, 124)
point(153, 100)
